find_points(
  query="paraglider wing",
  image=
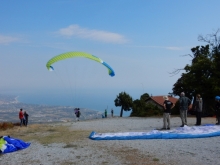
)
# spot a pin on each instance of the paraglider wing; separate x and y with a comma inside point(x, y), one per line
point(110, 70)
point(186, 132)
point(78, 54)
point(51, 68)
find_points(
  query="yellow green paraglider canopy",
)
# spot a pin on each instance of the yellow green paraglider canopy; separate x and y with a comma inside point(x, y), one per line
point(78, 54)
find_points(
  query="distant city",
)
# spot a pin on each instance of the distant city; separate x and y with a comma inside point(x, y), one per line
point(10, 107)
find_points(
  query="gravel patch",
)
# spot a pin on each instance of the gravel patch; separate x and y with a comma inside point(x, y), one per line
point(155, 151)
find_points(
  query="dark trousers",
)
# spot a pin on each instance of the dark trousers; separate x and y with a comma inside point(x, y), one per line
point(198, 118)
point(22, 122)
point(26, 122)
point(218, 118)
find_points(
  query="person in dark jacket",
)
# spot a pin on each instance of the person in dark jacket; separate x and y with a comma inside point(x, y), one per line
point(106, 113)
point(112, 112)
point(184, 106)
point(198, 109)
point(77, 113)
point(217, 109)
point(168, 105)
point(25, 118)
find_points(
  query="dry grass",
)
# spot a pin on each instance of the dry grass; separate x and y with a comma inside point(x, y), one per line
point(6, 125)
point(131, 156)
point(134, 157)
point(47, 134)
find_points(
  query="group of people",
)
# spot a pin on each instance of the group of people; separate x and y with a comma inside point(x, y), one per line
point(106, 113)
point(184, 103)
point(23, 116)
point(78, 113)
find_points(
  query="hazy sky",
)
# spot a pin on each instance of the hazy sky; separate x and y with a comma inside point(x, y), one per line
point(142, 40)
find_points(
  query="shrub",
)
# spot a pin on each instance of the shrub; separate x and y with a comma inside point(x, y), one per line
point(6, 125)
point(140, 109)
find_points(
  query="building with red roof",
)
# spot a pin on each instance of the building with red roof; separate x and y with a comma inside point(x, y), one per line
point(159, 100)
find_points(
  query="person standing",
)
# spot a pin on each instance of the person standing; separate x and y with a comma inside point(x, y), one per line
point(105, 113)
point(168, 105)
point(198, 109)
point(21, 117)
point(77, 113)
point(217, 109)
point(184, 105)
point(112, 112)
point(26, 118)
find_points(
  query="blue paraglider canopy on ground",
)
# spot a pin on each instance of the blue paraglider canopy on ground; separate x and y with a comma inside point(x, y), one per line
point(208, 130)
point(9, 144)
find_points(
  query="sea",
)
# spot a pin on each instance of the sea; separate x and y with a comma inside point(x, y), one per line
point(97, 102)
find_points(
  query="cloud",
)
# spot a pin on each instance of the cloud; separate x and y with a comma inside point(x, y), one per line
point(98, 35)
point(165, 47)
point(173, 48)
point(7, 39)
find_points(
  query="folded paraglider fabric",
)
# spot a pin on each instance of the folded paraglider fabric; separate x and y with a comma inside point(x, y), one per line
point(9, 144)
point(208, 130)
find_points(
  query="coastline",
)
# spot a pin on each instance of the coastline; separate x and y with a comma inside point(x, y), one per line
point(61, 100)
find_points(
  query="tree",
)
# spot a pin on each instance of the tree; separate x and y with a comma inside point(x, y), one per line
point(145, 96)
point(197, 74)
point(139, 108)
point(125, 101)
point(202, 75)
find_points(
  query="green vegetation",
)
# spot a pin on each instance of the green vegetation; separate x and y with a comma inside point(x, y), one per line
point(202, 76)
point(123, 100)
point(141, 109)
point(156, 159)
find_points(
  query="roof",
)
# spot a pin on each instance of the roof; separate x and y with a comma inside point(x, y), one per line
point(160, 100)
